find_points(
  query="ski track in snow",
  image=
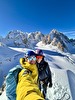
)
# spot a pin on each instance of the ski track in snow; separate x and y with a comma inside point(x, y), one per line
point(70, 59)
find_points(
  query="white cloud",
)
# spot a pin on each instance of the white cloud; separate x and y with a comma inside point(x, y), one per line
point(70, 34)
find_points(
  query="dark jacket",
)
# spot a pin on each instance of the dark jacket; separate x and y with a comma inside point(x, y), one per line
point(44, 71)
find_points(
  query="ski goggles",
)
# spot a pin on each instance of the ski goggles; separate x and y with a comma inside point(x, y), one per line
point(38, 57)
point(31, 58)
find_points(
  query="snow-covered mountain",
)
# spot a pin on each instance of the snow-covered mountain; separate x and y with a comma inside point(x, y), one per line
point(18, 38)
point(57, 39)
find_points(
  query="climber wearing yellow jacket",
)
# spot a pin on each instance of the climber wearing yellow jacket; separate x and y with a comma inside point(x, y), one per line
point(27, 88)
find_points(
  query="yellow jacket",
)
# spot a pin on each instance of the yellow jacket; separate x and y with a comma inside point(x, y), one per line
point(27, 88)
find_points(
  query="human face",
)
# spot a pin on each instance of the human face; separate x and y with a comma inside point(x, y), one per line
point(32, 59)
point(39, 58)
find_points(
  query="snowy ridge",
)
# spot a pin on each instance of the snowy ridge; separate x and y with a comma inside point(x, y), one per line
point(17, 38)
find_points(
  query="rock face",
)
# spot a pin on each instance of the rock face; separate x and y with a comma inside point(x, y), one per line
point(17, 38)
point(58, 39)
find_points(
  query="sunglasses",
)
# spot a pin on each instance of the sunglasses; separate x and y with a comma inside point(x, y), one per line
point(38, 57)
point(31, 58)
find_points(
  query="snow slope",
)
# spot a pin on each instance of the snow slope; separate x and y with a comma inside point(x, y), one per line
point(8, 59)
point(62, 66)
point(60, 89)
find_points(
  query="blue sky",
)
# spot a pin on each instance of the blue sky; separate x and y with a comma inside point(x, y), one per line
point(37, 15)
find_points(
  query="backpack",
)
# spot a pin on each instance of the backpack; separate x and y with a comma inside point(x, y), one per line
point(11, 82)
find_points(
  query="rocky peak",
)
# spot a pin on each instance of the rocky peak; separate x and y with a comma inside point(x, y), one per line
point(12, 34)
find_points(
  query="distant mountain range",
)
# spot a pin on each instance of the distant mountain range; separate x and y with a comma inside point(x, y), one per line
point(18, 38)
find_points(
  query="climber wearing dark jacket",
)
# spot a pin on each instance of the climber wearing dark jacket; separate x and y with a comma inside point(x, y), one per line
point(45, 78)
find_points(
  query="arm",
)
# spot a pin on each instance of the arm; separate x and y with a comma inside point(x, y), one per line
point(49, 75)
point(27, 89)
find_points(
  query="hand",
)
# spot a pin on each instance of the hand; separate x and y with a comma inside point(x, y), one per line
point(49, 84)
point(22, 61)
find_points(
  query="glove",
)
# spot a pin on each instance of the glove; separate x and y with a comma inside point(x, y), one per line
point(22, 61)
point(49, 84)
